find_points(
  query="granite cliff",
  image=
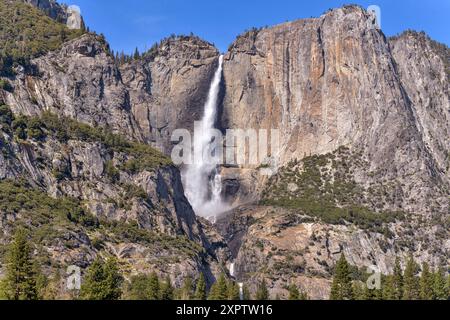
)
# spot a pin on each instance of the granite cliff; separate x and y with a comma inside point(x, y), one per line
point(364, 166)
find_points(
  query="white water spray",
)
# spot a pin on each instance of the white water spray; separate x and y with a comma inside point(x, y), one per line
point(241, 291)
point(232, 269)
point(202, 181)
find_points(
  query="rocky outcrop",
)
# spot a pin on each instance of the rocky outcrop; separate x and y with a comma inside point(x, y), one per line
point(325, 83)
point(79, 81)
point(142, 101)
point(168, 87)
point(61, 13)
point(334, 81)
point(423, 67)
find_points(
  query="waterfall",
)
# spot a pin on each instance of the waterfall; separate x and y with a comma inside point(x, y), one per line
point(241, 290)
point(232, 269)
point(202, 181)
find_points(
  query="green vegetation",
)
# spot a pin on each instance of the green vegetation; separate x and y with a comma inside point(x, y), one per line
point(262, 293)
point(219, 290)
point(132, 233)
point(411, 281)
point(200, 290)
point(295, 294)
point(144, 287)
point(43, 210)
point(341, 289)
point(322, 187)
point(167, 290)
point(401, 285)
point(140, 156)
point(20, 282)
point(26, 32)
point(103, 281)
point(232, 291)
point(5, 85)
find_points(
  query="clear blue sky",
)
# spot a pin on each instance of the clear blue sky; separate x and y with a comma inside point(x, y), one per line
point(140, 23)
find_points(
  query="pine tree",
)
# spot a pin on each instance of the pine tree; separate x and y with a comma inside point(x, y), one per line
point(42, 282)
point(398, 280)
point(20, 280)
point(293, 292)
point(233, 291)
point(200, 289)
point(136, 54)
point(341, 288)
point(261, 292)
point(187, 291)
point(426, 283)
point(113, 280)
point(167, 289)
point(153, 288)
point(219, 289)
point(138, 287)
point(103, 281)
point(371, 294)
point(410, 281)
point(389, 292)
point(439, 285)
point(358, 291)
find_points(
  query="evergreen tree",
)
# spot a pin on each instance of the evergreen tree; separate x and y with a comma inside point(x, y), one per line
point(426, 283)
point(200, 289)
point(358, 291)
point(138, 287)
point(187, 291)
point(341, 288)
point(42, 282)
point(410, 281)
point(371, 294)
point(219, 290)
point(398, 280)
point(439, 285)
point(233, 291)
point(261, 292)
point(153, 287)
point(167, 289)
point(20, 281)
point(136, 54)
point(389, 290)
point(103, 281)
point(293, 292)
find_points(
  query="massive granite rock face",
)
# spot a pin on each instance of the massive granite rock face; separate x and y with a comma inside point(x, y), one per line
point(333, 81)
point(423, 67)
point(324, 83)
point(82, 81)
point(168, 87)
point(144, 99)
point(142, 215)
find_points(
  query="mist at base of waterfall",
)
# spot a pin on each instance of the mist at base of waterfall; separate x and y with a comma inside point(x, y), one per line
point(207, 200)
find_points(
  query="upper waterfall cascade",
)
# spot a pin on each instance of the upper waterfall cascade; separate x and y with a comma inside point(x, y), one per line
point(202, 181)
